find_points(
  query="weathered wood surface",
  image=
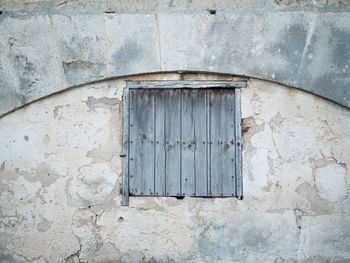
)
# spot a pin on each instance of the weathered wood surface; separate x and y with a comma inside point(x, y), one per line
point(185, 84)
point(172, 147)
point(222, 148)
point(182, 142)
point(188, 144)
point(159, 151)
point(238, 137)
point(126, 105)
point(194, 175)
point(200, 154)
point(141, 142)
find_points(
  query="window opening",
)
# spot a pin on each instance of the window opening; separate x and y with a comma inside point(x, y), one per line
point(182, 138)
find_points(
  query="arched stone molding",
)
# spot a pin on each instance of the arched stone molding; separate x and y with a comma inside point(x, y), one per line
point(47, 53)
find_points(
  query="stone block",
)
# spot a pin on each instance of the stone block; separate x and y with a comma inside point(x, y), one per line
point(213, 4)
point(288, 48)
point(134, 45)
point(301, 49)
point(108, 5)
point(9, 86)
point(324, 66)
point(325, 238)
point(23, 5)
point(208, 40)
point(311, 3)
point(248, 237)
point(31, 60)
point(84, 47)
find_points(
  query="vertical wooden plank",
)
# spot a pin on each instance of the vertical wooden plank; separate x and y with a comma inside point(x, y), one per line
point(238, 137)
point(188, 144)
point(229, 148)
point(194, 177)
point(222, 134)
point(141, 166)
point(125, 194)
point(160, 143)
point(172, 144)
point(200, 156)
point(208, 149)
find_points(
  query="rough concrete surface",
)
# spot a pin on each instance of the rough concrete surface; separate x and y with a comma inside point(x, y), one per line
point(152, 5)
point(49, 46)
point(313, 3)
point(214, 4)
point(60, 179)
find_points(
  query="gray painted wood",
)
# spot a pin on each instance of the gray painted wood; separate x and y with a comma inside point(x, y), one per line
point(238, 136)
point(186, 84)
point(141, 142)
point(200, 154)
point(208, 148)
point(125, 194)
point(160, 144)
point(222, 150)
point(172, 144)
point(188, 144)
point(182, 142)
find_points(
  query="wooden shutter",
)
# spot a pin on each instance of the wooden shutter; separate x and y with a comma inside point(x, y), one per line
point(181, 141)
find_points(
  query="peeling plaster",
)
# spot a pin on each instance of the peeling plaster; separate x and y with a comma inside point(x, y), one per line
point(295, 173)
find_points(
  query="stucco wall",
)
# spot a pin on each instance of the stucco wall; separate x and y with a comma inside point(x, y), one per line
point(60, 179)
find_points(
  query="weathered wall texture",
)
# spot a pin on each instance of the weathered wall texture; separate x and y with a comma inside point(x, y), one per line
point(60, 175)
point(50, 45)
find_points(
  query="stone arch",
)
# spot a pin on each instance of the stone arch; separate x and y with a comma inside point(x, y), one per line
point(39, 56)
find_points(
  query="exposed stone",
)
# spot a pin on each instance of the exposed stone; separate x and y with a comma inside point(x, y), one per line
point(95, 182)
point(135, 49)
point(10, 90)
point(106, 253)
point(31, 53)
point(93, 103)
point(24, 5)
point(213, 4)
point(288, 44)
point(326, 238)
point(85, 229)
point(301, 49)
point(44, 175)
point(151, 5)
point(83, 46)
point(314, 203)
point(36, 221)
point(89, 5)
point(316, 53)
point(311, 3)
point(196, 76)
point(173, 235)
point(248, 237)
point(108, 5)
point(32, 245)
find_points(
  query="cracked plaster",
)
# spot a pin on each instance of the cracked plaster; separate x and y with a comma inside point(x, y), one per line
point(60, 177)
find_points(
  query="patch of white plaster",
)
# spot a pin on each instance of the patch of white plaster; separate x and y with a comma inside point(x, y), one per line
point(296, 152)
point(330, 182)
